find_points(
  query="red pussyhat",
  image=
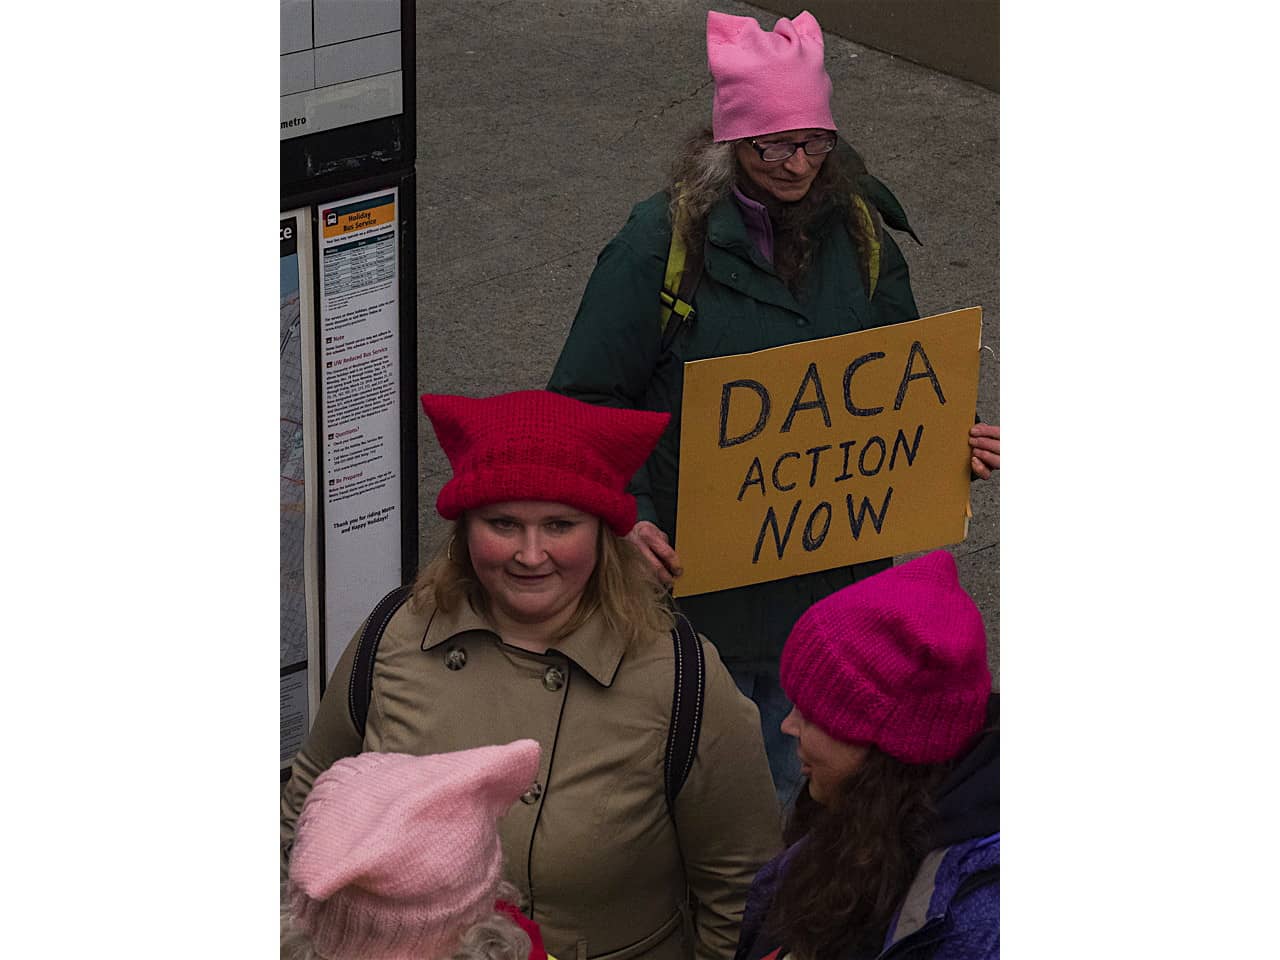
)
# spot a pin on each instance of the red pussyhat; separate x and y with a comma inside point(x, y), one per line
point(538, 445)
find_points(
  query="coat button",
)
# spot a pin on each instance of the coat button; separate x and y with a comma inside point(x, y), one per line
point(553, 679)
point(531, 795)
point(455, 658)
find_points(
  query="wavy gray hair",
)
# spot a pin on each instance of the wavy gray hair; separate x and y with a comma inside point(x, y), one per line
point(705, 171)
point(494, 937)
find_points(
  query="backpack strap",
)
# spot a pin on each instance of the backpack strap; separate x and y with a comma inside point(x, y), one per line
point(871, 226)
point(360, 690)
point(679, 282)
point(977, 881)
point(875, 206)
point(882, 198)
point(690, 686)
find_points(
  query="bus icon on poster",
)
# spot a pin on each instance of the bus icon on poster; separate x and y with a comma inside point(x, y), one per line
point(331, 218)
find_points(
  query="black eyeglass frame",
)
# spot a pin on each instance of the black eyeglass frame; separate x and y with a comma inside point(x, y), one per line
point(827, 138)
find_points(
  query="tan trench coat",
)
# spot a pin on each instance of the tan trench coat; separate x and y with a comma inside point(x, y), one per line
point(591, 845)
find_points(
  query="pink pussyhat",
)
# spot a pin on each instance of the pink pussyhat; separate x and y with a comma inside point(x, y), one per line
point(766, 82)
point(397, 856)
point(898, 660)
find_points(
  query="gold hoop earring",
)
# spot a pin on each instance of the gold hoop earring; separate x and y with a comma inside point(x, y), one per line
point(449, 552)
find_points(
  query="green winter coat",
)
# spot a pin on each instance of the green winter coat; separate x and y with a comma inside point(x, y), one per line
point(613, 357)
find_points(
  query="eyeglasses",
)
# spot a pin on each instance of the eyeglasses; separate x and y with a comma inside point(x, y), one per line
point(783, 149)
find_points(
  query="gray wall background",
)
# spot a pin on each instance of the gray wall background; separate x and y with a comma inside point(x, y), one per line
point(959, 37)
point(541, 123)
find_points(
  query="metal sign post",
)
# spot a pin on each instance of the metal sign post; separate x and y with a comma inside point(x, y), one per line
point(348, 362)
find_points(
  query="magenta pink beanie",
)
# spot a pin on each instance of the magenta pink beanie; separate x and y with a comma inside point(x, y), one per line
point(766, 82)
point(898, 660)
point(396, 856)
point(537, 445)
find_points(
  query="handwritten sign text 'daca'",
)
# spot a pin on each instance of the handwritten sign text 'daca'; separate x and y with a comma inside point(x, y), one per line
point(821, 454)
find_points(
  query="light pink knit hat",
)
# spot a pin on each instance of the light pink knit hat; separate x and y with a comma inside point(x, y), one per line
point(898, 660)
point(396, 856)
point(766, 82)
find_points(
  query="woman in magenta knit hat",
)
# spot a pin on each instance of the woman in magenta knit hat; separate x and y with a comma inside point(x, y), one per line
point(791, 234)
point(538, 620)
point(895, 839)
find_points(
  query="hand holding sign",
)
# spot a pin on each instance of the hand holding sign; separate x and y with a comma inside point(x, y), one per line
point(984, 445)
point(829, 452)
point(656, 548)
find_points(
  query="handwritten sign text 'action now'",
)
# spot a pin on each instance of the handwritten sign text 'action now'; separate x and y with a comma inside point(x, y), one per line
point(821, 454)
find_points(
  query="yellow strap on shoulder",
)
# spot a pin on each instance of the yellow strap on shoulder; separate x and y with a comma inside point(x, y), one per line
point(873, 244)
point(669, 295)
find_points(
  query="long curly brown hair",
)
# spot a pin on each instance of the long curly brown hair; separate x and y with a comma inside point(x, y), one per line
point(705, 171)
point(859, 856)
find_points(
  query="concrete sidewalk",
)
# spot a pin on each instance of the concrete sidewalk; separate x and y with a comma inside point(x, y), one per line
point(541, 123)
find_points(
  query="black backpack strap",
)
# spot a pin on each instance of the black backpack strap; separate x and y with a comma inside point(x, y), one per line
point(690, 686)
point(360, 690)
point(978, 880)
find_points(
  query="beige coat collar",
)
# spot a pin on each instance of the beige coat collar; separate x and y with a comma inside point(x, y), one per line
point(592, 646)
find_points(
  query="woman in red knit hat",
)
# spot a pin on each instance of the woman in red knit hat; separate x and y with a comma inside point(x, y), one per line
point(896, 837)
point(539, 620)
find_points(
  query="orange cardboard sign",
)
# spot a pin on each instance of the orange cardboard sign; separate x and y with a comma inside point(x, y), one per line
point(825, 453)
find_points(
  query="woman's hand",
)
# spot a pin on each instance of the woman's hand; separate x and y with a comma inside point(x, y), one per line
point(984, 447)
point(656, 548)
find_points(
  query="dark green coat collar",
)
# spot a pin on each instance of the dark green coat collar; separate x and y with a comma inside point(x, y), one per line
point(732, 257)
point(733, 260)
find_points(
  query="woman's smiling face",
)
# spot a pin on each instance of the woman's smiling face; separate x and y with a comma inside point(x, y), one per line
point(533, 559)
point(786, 180)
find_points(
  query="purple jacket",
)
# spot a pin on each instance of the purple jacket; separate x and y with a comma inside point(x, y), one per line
point(951, 911)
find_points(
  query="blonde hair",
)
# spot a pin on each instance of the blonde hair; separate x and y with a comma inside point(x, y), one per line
point(494, 936)
point(622, 587)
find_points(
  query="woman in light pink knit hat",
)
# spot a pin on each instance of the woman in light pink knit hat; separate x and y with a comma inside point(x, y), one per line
point(895, 838)
point(397, 857)
point(784, 233)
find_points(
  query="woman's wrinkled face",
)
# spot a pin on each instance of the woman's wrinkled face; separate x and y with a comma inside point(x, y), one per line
point(786, 180)
point(826, 761)
point(533, 559)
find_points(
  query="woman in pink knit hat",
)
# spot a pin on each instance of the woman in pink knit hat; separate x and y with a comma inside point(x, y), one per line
point(397, 858)
point(895, 838)
point(537, 619)
point(784, 231)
